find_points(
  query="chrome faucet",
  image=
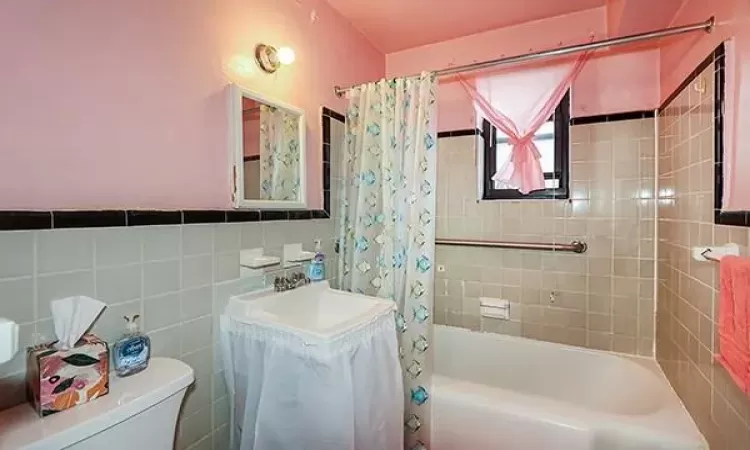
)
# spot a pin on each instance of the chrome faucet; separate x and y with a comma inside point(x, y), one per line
point(295, 280)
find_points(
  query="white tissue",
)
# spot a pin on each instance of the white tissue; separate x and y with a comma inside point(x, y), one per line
point(8, 339)
point(72, 316)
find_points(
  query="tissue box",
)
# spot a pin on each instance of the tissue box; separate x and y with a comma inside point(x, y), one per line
point(60, 379)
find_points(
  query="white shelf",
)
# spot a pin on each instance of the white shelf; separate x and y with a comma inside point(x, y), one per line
point(294, 256)
point(302, 257)
point(254, 259)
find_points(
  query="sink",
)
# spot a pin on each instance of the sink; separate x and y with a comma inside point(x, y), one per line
point(316, 356)
point(315, 309)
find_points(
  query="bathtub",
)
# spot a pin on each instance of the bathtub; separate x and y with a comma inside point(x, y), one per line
point(495, 392)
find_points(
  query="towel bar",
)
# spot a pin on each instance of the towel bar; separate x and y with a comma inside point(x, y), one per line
point(575, 246)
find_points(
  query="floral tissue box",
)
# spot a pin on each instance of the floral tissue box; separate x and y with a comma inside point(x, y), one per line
point(60, 379)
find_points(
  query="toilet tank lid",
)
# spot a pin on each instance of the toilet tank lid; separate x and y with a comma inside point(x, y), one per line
point(22, 428)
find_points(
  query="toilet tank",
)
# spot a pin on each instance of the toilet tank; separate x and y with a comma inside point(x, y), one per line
point(140, 412)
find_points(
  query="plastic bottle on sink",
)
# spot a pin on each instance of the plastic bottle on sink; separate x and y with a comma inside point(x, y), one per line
point(317, 269)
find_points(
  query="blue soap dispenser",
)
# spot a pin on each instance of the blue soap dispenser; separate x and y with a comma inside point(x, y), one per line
point(317, 269)
point(133, 351)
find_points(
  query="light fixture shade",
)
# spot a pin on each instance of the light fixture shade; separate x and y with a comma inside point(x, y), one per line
point(267, 58)
point(270, 59)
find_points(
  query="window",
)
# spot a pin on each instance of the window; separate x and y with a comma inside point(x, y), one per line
point(721, 91)
point(552, 141)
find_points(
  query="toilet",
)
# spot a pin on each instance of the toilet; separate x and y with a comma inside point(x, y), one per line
point(140, 412)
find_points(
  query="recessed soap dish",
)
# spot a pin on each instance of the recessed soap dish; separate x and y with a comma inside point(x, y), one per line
point(254, 259)
point(295, 256)
point(302, 257)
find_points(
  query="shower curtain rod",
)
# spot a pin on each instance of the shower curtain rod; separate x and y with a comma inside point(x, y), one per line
point(707, 26)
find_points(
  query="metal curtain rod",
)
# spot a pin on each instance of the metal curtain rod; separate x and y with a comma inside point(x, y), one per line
point(575, 246)
point(707, 26)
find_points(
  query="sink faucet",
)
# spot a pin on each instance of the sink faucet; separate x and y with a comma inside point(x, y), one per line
point(295, 280)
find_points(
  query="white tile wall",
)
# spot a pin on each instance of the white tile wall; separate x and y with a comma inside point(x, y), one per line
point(604, 298)
point(178, 278)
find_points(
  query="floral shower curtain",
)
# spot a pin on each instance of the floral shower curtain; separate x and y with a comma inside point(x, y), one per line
point(279, 154)
point(387, 235)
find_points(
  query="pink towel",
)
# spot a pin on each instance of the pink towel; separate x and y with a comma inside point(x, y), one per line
point(734, 319)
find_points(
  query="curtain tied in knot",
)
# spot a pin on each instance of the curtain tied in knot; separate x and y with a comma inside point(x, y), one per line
point(522, 170)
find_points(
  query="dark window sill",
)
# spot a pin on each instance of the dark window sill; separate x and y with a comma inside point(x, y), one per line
point(512, 194)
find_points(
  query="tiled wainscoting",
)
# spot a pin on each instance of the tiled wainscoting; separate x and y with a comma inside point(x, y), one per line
point(686, 327)
point(601, 299)
point(178, 278)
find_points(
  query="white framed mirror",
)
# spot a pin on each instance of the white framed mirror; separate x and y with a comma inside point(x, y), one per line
point(267, 139)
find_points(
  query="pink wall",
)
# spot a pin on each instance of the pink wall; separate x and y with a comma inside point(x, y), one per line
point(680, 58)
point(638, 16)
point(615, 10)
point(613, 83)
point(111, 104)
point(683, 55)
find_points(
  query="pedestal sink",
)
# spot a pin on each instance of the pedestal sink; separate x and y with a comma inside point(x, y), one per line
point(313, 368)
point(315, 309)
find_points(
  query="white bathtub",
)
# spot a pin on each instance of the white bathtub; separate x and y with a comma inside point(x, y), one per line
point(495, 392)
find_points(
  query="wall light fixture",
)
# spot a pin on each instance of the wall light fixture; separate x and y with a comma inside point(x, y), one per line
point(270, 58)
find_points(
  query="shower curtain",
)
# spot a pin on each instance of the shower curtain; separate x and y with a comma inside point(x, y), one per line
point(387, 234)
point(279, 154)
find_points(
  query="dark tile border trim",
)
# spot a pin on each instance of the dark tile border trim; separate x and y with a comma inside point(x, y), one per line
point(243, 216)
point(631, 115)
point(457, 133)
point(333, 114)
point(299, 215)
point(78, 219)
point(46, 220)
point(142, 218)
point(25, 220)
point(206, 216)
point(273, 215)
point(735, 218)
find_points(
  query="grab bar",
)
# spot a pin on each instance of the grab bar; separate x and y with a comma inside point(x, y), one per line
point(575, 246)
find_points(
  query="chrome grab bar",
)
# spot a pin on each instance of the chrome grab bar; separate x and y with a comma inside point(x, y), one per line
point(575, 246)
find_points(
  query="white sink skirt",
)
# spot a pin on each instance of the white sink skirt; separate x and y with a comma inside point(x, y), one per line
point(294, 391)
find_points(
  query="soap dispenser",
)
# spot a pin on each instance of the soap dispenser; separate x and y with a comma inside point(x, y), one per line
point(132, 351)
point(317, 269)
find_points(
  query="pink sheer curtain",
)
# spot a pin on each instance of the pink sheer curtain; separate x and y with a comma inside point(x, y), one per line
point(527, 99)
point(737, 114)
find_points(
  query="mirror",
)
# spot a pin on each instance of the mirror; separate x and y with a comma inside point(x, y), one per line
point(268, 140)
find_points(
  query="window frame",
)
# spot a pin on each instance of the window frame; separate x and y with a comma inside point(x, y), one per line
point(718, 57)
point(562, 160)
